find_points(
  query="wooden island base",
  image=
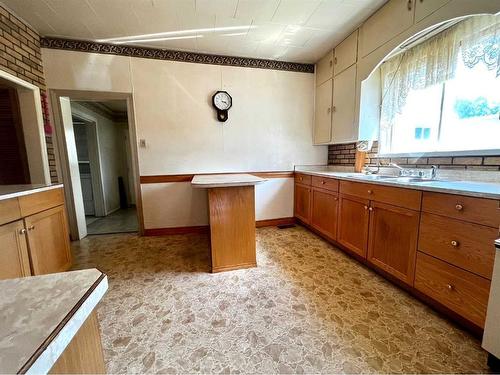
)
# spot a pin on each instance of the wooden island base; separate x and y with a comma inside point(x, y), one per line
point(232, 227)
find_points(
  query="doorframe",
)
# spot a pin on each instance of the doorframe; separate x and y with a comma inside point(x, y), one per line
point(95, 161)
point(60, 135)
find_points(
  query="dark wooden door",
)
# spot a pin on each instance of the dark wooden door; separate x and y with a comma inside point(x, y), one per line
point(393, 240)
point(324, 209)
point(352, 231)
point(13, 157)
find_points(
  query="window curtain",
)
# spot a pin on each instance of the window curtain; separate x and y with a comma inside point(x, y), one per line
point(475, 40)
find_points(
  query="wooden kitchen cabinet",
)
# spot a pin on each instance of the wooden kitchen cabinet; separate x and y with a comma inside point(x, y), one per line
point(14, 258)
point(392, 19)
point(343, 109)
point(324, 69)
point(324, 210)
point(48, 241)
point(346, 53)
point(302, 204)
point(323, 113)
point(353, 224)
point(392, 244)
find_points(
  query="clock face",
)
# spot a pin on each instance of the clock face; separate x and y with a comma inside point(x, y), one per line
point(222, 100)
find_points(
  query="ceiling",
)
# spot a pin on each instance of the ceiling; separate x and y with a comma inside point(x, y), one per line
point(290, 30)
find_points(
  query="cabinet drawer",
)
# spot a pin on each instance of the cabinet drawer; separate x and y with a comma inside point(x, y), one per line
point(468, 246)
point(459, 290)
point(9, 210)
point(325, 183)
point(303, 179)
point(477, 210)
point(36, 202)
point(396, 196)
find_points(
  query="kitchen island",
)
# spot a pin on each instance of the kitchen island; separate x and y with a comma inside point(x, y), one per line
point(49, 323)
point(231, 204)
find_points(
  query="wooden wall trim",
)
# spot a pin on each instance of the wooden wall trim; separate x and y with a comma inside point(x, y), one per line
point(206, 228)
point(158, 179)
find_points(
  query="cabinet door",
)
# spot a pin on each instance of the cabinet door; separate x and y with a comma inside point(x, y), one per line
point(324, 209)
point(14, 259)
point(353, 217)
point(392, 19)
point(346, 53)
point(344, 101)
point(323, 113)
point(48, 241)
point(393, 240)
point(324, 68)
point(423, 8)
point(303, 203)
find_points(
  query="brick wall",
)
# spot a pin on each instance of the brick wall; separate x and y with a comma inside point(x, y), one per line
point(20, 55)
point(340, 155)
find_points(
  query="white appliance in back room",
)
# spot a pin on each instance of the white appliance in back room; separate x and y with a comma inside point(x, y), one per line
point(491, 338)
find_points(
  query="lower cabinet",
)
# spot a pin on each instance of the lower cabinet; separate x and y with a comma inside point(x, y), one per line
point(392, 244)
point(48, 241)
point(302, 203)
point(353, 219)
point(14, 258)
point(324, 208)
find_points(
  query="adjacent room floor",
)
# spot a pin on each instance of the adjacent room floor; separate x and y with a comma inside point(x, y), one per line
point(122, 221)
point(307, 308)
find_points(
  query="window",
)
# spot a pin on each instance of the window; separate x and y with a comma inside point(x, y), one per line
point(447, 103)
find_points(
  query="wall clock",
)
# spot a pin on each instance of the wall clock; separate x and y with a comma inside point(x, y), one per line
point(222, 101)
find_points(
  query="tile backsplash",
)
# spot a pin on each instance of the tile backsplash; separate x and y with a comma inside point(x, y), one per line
point(344, 154)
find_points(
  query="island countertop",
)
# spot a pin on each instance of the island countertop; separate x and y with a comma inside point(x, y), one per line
point(471, 188)
point(41, 314)
point(225, 180)
point(14, 191)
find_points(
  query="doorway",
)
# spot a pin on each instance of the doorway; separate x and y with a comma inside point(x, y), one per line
point(98, 159)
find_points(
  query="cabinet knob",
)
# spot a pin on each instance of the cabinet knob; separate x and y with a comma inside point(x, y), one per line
point(335, 199)
point(459, 207)
point(370, 191)
point(335, 60)
point(331, 62)
point(328, 110)
point(366, 207)
point(300, 178)
point(454, 243)
point(334, 109)
point(31, 227)
point(450, 287)
point(22, 231)
point(370, 208)
point(323, 182)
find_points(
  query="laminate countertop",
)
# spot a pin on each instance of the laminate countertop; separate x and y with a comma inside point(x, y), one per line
point(41, 314)
point(14, 191)
point(441, 185)
point(225, 180)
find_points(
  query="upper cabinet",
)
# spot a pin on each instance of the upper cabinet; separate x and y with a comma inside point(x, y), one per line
point(423, 8)
point(346, 53)
point(344, 98)
point(324, 69)
point(392, 19)
point(323, 113)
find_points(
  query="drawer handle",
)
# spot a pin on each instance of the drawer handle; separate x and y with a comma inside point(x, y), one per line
point(22, 231)
point(370, 191)
point(450, 287)
point(455, 243)
point(459, 207)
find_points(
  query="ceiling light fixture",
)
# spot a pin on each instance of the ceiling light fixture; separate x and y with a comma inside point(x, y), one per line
point(160, 39)
point(157, 36)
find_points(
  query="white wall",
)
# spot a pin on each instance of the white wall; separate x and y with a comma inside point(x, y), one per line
point(112, 154)
point(269, 126)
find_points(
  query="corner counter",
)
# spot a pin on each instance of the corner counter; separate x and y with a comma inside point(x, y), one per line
point(45, 320)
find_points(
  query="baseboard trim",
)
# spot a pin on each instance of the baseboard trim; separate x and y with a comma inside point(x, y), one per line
point(206, 228)
point(275, 222)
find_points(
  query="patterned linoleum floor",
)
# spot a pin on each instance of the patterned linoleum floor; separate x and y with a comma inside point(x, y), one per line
point(306, 308)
